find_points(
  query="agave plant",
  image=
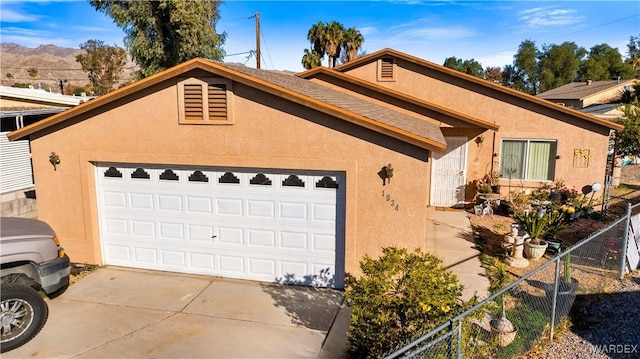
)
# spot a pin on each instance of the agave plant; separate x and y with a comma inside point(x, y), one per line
point(539, 226)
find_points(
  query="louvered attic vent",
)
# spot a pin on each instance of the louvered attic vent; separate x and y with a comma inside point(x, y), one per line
point(217, 102)
point(386, 69)
point(204, 102)
point(193, 106)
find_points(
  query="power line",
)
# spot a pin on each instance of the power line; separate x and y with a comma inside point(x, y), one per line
point(267, 47)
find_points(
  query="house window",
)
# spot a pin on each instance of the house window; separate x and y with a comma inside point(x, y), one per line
point(204, 101)
point(533, 160)
point(387, 69)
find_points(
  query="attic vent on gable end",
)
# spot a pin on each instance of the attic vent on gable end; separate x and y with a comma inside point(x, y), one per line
point(386, 69)
point(205, 101)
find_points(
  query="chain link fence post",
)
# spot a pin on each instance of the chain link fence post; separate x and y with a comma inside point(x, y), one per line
point(554, 301)
point(625, 238)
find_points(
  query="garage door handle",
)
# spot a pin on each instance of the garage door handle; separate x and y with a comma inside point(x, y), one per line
point(212, 237)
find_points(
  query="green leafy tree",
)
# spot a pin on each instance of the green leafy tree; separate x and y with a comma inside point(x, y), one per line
point(103, 64)
point(627, 141)
point(559, 64)
point(605, 63)
point(470, 67)
point(33, 73)
point(525, 68)
point(399, 295)
point(164, 33)
point(311, 59)
point(633, 52)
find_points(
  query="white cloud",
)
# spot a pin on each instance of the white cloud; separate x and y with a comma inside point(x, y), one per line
point(547, 16)
point(12, 16)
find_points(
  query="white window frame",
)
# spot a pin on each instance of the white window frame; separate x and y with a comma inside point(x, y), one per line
point(525, 168)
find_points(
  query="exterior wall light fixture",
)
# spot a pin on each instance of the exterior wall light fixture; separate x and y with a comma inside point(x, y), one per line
point(54, 159)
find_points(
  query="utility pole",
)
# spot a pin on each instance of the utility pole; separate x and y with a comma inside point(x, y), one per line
point(257, 40)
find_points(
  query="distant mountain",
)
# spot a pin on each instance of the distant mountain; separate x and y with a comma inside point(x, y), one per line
point(52, 62)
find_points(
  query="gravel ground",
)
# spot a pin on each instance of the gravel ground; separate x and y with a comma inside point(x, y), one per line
point(604, 326)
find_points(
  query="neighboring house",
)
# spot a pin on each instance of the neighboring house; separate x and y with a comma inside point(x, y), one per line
point(582, 94)
point(21, 107)
point(219, 169)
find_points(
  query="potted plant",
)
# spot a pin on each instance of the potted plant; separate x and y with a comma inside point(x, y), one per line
point(567, 289)
point(536, 226)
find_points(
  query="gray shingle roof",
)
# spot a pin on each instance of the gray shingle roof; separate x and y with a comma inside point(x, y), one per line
point(344, 101)
point(580, 90)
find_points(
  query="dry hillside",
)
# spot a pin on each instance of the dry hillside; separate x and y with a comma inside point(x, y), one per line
point(52, 62)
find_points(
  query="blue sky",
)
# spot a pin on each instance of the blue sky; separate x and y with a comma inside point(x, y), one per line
point(488, 31)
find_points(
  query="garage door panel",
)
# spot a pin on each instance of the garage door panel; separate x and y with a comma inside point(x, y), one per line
point(261, 238)
point(204, 262)
point(294, 240)
point(170, 203)
point(323, 243)
point(294, 210)
point(229, 206)
point(230, 235)
point(145, 255)
point(142, 201)
point(115, 199)
point(171, 231)
point(116, 252)
point(199, 204)
point(200, 233)
point(173, 258)
point(232, 264)
point(259, 225)
point(261, 208)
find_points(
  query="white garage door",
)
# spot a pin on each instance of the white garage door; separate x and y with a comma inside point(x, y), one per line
point(250, 224)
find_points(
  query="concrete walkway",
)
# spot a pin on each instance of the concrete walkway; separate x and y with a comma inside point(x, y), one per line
point(449, 237)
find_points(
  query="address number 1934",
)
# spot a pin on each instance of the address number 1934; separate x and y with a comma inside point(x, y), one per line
point(391, 201)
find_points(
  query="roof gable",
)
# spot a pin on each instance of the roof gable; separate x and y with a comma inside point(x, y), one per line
point(284, 85)
point(583, 89)
point(478, 81)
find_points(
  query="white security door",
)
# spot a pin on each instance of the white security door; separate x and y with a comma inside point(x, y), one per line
point(261, 225)
point(448, 173)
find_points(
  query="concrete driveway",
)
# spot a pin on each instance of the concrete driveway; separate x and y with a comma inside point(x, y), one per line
point(117, 312)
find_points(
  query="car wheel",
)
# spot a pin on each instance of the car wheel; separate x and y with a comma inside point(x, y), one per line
point(23, 313)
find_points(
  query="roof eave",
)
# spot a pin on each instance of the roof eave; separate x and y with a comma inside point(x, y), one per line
point(238, 77)
point(479, 81)
point(401, 96)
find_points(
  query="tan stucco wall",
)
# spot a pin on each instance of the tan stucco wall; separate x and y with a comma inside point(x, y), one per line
point(267, 132)
point(610, 95)
point(517, 118)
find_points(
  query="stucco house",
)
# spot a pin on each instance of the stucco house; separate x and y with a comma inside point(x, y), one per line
point(585, 93)
point(216, 168)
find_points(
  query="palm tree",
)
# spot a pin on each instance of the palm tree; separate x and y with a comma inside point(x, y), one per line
point(311, 59)
point(333, 40)
point(316, 36)
point(352, 42)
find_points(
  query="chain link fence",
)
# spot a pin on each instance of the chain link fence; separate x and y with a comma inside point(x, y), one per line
point(528, 311)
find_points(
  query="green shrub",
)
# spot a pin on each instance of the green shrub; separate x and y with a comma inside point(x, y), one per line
point(399, 296)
